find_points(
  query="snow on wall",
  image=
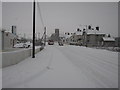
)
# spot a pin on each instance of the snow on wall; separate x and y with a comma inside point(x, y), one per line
point(94, 32)
point(108, 39)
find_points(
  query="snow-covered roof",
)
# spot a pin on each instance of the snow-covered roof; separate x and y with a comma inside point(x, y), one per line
point(94, 32)
point(68, 36)
point(78, 33)
point(108, 39)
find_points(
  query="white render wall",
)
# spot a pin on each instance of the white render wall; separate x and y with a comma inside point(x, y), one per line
point(14, 57)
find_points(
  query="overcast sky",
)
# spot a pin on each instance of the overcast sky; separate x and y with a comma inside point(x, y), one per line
point(67, 16)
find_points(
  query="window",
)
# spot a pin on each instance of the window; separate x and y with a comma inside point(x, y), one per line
point(79, 39)
point(88, 40)
point(6, 34)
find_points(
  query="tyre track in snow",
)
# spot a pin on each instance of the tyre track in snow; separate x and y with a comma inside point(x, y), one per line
point(92, 69)
point(63, 66)
point(99, 59)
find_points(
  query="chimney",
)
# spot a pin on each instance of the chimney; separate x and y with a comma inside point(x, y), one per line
point(14, 30)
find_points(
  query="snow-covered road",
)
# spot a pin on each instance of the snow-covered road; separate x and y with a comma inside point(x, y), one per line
point(65, 67)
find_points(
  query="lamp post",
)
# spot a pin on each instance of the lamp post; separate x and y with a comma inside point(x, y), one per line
point(33, 51)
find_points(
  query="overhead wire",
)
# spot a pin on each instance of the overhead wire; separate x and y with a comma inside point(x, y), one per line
point(43, 25)
point(39, 10)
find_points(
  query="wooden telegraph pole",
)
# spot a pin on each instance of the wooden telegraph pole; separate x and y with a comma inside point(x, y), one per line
point(33, 51)
point(45, 35)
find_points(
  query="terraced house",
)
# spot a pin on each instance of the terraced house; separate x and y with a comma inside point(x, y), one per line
point(87, 37)
point(94, 38)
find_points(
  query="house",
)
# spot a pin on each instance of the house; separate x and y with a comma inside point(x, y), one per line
point(62, 37)
point(67, 38)
point(108, 42)
point(55, 36)
point(8, 39)
point(87, 37)
point(92, 38)
point(117, 41)
point(76, 38)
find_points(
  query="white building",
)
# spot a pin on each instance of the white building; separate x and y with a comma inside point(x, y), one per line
point(108, 42)
point(67, 37)
point(8, 40)
point(76, 38)
point(94, 37)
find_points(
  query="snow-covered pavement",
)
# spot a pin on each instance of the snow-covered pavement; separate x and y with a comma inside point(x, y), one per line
point(64, 67)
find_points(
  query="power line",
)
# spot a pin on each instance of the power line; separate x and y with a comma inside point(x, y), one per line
point(40, 14)
point(44, 34)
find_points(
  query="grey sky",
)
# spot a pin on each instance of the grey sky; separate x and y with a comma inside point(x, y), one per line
point(67, 16)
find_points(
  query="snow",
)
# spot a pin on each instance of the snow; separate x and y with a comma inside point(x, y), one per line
point(21, 49)
point(21, 45)
point(108, 39)
point(94, 32)
point(65, 67)
point(67, 36)
point(79, 33)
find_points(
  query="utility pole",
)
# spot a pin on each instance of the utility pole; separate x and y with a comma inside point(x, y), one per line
point(38, 36)
point(33, 51)
point(24, 37)
point(45, 35)
point(86, 35)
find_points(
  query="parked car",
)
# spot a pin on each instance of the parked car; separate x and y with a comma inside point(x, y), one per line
point(19, 45)
point(27, 45)
point(75, 43)
point(60, 43)
point(50, 42)
point(23, 45)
